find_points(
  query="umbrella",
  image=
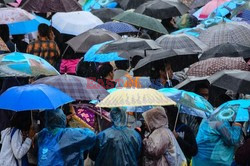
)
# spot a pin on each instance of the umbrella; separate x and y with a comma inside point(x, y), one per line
point(181, 41)
point(234, 110)
point(162, 9)
point(16, 3)
point(74, 23)
point(44, 6)
point(192, 4)
point(3, 46)
point(135, 97)
point(189, 102)
point(117, 27)
point(89, 5)
point(210, 66)
point(130, 4)
point(78, 88)
point(105, 14)
point(92, 54)
point(141, 20)
point(235, 80)
point(33, 97)
point(24, 65)
point(245, 15)
point(83, 42)
point(227, 50)
point(232, 32)
point(190, 31)
point(190, 83)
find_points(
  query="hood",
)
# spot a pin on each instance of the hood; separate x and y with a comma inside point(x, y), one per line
point(118, 117)
point(155, 118)
point(4, 133)
point(55, 119)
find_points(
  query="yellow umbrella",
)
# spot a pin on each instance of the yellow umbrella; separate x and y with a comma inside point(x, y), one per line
point(135, 97)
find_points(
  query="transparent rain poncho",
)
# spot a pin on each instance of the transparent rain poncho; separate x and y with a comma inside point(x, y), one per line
point(62, 146)
point(117, 145)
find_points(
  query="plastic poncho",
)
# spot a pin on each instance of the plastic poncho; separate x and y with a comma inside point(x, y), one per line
point(118, 145)
point(62, 146)
point(216, 142)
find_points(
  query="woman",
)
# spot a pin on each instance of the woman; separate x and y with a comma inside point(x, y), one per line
point(16, 141)
point(106, 76)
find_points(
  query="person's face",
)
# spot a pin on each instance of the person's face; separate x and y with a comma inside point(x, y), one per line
point(204, 92)
point(168, 73)
point(111, 75)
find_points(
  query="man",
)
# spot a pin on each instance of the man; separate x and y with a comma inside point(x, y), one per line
point(44, 47)
point(202, 89)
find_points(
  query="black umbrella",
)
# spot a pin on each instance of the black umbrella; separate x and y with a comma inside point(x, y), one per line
point(235, 80)
point(130, 4)
point(162, 9)
point(105, 14)
point(227, 50)
point(84, 41)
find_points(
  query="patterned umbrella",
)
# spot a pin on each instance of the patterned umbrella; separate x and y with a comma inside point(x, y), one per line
point(105, 14)
point(232, 32)
point(83, 42)
point(24, 65)
point(235, 80)
point(44, 6)
point(117, 27)
point(181, 41)
point(162, 9)
point(213, 65)
point(135, 97)
point(78, 88)
point(141, 20)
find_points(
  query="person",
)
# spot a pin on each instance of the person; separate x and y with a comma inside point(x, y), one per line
point(122, 68)
point(62, 146)
point(169, 24)
point(5, 35)
point(16, 140)
point(44, 46)
point(216, 142)
point(106, 75)
point(117, 145)
point(20, 44)
point(160, 147)
point(202, 89)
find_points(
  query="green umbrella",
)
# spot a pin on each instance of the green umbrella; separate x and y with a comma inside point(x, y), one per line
point(141, 20)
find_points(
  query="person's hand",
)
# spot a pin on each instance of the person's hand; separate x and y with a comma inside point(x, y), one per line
point(175, 134)
point(31, 132)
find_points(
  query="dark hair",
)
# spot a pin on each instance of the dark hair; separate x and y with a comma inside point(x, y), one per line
point(221, 99)
point(44, 30)
point(21, 120)
point(157, 66)
point(200, 86)
point(104, 69)
point(18, 37)
point(86, 69)
point(145, 36)
point(135, 60)
point(122, 65)
point(4, 32)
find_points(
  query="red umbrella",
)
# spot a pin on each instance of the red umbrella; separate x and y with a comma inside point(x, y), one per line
point(213, 65)
point(210, 7)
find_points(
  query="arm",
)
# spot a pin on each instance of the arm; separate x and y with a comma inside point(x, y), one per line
point(19, 147)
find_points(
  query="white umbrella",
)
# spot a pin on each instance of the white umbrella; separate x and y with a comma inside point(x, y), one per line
point(74, 23)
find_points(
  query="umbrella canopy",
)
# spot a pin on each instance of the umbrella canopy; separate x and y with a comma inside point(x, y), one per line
point(130, 4)
point(135, 97)
point(181, 41)
point(89, 5)
point(192, 4)
point(83, 42)
point(117, 27)
point(33, 97)
point(141, 20)
point(44, 6)
point(235, 80)
point(24, 65)
point(232, 32)
point(234, 110)
point(162, 9)
point(78, 88)
point(3, 46)
point(105, 14)
point(190, 83)
point(210, 66)
point(227, 50)
point(189, 102)
point(245, 15)
point(74, 23)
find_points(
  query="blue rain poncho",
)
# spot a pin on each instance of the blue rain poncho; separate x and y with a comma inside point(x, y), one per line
point(62, 146)
point(216, 142)
point(117, 145)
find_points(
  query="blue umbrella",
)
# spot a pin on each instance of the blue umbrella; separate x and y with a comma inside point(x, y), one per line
point(33, 97)
point(98, 4)
point(117, 27)
point(92, 56)
point(29, 26)
point(189, 102)
point(245, 16)
point(234, 110)
point(214, 21)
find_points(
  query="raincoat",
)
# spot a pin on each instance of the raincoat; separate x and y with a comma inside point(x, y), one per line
point(216, 142)
point(62, 146)
point(160, 147)
point(117, 145)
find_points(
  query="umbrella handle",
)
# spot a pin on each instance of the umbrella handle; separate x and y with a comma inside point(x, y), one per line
point(177, 116)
